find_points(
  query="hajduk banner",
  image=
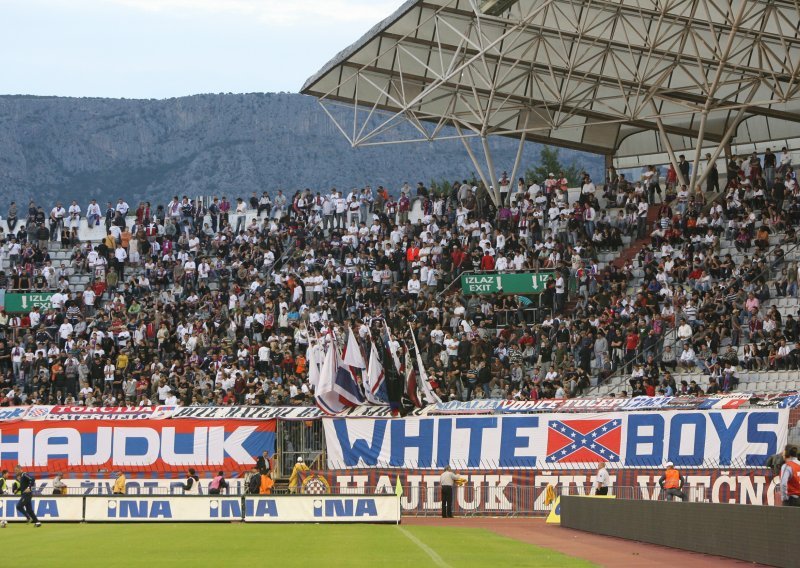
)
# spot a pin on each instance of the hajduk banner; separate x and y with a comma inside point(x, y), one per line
point(624, 439)
point(91, 446)
point(503, 492)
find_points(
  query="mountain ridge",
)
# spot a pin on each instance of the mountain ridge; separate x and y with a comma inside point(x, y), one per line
point(62, 148)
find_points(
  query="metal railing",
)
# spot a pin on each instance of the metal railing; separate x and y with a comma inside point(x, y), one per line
point(481, 497)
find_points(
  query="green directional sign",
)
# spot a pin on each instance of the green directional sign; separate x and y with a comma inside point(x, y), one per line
point(26, 302)
point(494, 283)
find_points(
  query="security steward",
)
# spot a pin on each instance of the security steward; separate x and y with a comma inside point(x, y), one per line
point(192, 485)
point(25, 503)
point(448, 480)
point(790, 479)
point(672, 483)
point(602, 481)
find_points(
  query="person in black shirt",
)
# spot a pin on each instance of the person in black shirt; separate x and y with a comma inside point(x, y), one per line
point(25, 503)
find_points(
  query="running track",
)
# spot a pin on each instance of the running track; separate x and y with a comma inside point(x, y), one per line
point(601, 550)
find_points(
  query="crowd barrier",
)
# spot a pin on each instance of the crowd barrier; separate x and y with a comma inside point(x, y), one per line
point(214, 508)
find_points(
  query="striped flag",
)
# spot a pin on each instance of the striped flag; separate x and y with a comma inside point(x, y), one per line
point(337, 388)
point(375, 383)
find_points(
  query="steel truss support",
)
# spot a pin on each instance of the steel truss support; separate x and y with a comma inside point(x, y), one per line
point(690, 71)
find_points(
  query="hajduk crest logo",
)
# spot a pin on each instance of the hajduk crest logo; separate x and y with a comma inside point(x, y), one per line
point(584, 440)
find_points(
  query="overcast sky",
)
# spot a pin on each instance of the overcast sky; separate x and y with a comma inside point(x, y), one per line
point(170, 48)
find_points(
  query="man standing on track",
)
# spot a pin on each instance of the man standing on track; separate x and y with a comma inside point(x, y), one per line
point(672, 482)
point(448, 479)
point(602, 482)
point(790, 479)
point(25, 503)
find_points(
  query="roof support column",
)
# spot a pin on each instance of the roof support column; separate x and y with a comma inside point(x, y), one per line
point(698, 150)
point(670, 151)
point(724, 144)
point(473, 158)
point(494, 190)
point(517, 161)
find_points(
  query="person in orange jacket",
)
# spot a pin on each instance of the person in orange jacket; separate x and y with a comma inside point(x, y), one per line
point(672, 483)
point(266, 484)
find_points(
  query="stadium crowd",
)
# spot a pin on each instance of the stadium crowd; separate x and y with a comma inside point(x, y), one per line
point(192, 303)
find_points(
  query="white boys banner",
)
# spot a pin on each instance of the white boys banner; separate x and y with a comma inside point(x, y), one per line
point(556, 441)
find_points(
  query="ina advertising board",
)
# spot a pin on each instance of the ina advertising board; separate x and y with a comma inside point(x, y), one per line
point(323, 509)
point(118, 508)
point(46, 508)
point(629, 439)
point(91, 446)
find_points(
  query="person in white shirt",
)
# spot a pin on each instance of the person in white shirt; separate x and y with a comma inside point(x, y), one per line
point(241, 210)
point(74, 212)
point(414, 285)
point(120, 256)
point(602, 481)
point(93, 214)
point(57, 215)
point(122, 207)
point(687, 358)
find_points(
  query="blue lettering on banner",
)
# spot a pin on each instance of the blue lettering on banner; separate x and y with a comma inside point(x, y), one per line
point(645, 444)
point(727, 434)
point(756, 436)
point(344, 508)
point(260, 508)
point(139, 509)
point(225, 509)
point(45, 509)
point(360, 450)
point(443, 442)
point(510, 441)
point(688, 438)
point(476, 427)
point(11, 414)
point(678, 432)
point(423, 442)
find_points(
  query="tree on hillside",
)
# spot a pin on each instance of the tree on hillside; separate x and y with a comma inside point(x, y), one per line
point(548, 162)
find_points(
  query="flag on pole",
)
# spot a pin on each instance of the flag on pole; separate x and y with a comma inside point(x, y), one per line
point(375, 382)
point(315, 355)
point(352, 356)
point(412, 388)
point(337, 388)
point(346, 383)
point(398, 489)
point(326, 397)
point(428, 393)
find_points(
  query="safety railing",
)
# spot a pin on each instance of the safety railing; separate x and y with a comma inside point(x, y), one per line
point(478, 498)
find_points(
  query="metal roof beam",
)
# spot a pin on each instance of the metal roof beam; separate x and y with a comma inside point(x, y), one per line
point(530, 135)
point(559, 33)
point(529, 103)
point(667, 93)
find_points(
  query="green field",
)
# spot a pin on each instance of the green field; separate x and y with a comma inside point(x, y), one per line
point(224, 545)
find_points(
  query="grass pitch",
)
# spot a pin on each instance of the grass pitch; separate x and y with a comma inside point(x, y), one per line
point(222, 545)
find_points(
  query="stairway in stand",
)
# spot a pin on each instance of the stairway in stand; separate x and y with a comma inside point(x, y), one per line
point(628, 253)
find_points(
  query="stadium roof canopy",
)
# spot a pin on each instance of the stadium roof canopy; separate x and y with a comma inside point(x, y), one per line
point(622, 78)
